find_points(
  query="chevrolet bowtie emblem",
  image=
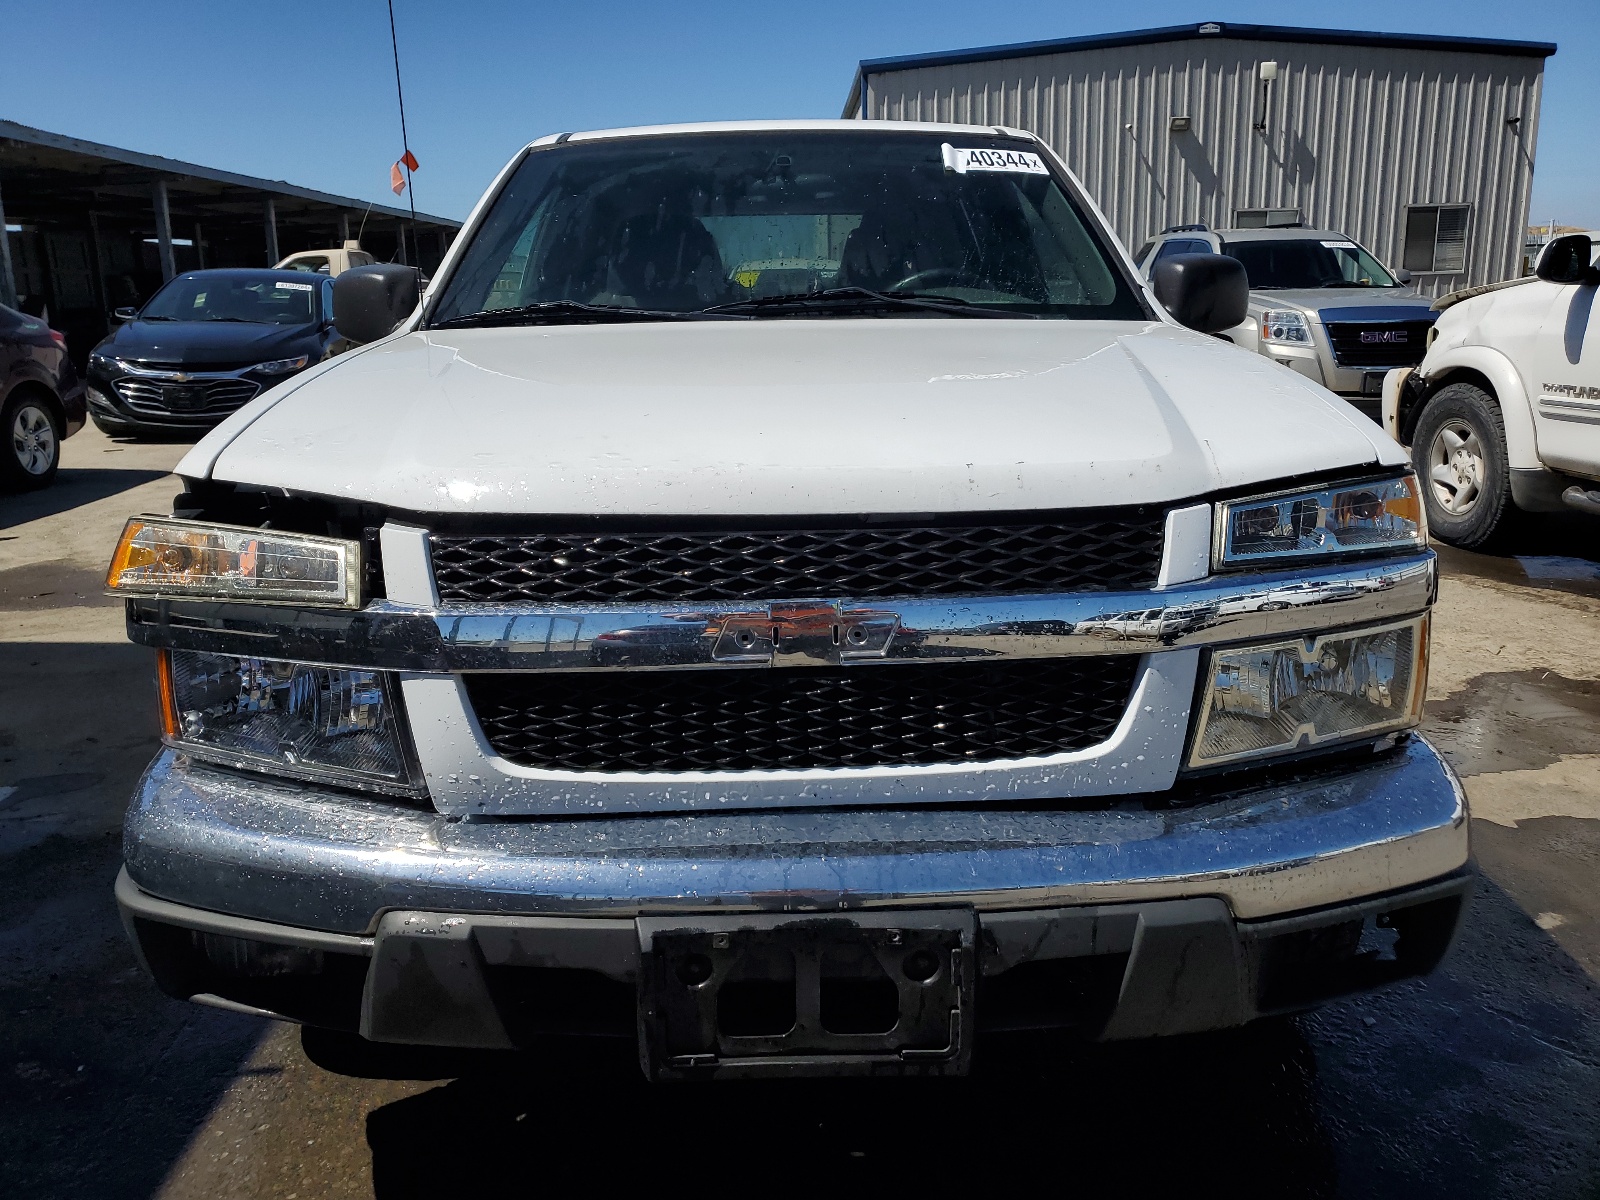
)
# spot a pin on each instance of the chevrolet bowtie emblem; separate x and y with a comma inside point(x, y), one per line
point(804, 634)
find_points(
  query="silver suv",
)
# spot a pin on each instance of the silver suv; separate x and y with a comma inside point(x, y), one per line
point(1320, 304)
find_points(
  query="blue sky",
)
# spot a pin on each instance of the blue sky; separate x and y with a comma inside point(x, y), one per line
point(303, 90)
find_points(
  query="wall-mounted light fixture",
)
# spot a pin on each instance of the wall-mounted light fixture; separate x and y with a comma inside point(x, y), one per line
point(1179, 125)
point(1514, 121)
point(1267, 72)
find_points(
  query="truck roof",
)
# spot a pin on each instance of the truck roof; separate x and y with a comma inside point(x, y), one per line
point(1280, 233)
point(789, 126)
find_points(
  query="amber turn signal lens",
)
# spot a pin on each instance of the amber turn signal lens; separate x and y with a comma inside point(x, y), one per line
point(164, 695)
point(158, 556)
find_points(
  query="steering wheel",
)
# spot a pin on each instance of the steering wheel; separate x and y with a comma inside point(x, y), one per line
point(934, 276)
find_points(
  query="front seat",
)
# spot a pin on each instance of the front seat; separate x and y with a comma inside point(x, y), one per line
point(668, 260)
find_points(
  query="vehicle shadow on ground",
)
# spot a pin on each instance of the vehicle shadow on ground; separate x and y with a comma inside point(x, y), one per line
point(103, 1080)
point(1546, 551)
point(1236, 1111)
point(1482, 1080)
point(73, 487)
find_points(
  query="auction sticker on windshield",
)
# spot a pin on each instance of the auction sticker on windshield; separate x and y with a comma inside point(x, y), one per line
point(292, 287)
point(962, 161)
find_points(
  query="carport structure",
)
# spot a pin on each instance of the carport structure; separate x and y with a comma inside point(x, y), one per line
point(92, 227)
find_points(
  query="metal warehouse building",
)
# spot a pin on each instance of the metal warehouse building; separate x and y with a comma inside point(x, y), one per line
point(1419, 147)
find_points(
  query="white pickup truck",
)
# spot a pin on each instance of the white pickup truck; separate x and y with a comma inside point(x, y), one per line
point(798, 675)
point(1503, 414)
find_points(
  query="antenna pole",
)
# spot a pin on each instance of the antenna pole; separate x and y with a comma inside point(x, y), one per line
point(405, 144)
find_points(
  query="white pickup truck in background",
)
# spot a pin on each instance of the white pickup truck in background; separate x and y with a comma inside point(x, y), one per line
point(1503, 415)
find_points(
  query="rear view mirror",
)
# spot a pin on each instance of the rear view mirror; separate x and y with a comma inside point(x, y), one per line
point(124, 314)
point(368, 302)
point(1568, 259)
point(1205, 292)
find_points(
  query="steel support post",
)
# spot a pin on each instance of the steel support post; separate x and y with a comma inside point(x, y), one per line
point(199, 249)
point(97, 245)
point(344, 228)
point(169, 266)
point(271, 215)
point(8, 280)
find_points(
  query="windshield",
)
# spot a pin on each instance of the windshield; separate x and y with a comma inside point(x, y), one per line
point(260, 299)
point(1309, 263)
point(680, 224)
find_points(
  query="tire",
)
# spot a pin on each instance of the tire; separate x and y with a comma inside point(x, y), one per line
point(1459, 452)
point(30, 442)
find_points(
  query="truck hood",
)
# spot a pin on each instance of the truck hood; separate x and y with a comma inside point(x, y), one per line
point(899, 415)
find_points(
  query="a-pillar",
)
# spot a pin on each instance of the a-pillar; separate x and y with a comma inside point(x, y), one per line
point(158, 197)
point(8, 280)
point(271, 216)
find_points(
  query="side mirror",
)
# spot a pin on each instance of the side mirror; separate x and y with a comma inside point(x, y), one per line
point(1402, 277)
point(368, 302)
point(1567, 259)
point(124, 314)
point(1205, 292)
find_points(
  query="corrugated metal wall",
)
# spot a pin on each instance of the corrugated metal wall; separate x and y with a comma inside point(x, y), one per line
point(1355, 134)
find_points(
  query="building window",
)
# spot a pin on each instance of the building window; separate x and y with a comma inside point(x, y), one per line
point(1267, 218)
point(1436, 238)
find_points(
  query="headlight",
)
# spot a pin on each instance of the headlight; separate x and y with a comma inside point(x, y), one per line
point(282, 366)
point(1288, 327)
point(1290, 695)
point(1384, 514)
point(328, 723)
point(163, 557)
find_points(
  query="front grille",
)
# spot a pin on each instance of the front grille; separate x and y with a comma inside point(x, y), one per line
point(769, 719)
point(1104, 550)
point(1349, 350)
point(164, 399)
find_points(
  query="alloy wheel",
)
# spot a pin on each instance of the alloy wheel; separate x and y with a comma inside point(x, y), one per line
point(1456, 467)
point(33, 439)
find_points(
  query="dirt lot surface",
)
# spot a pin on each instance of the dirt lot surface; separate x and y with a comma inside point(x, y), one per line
point(1483, 1080)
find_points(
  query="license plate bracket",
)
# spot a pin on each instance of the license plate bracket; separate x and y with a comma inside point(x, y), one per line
point(185, 397)
point(887, 993)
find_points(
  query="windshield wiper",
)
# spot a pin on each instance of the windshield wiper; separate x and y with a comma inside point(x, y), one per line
point(553, 311)
point(861, 300)
point(155, 318)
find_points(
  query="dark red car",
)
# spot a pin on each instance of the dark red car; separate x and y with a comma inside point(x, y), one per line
point(41, 401)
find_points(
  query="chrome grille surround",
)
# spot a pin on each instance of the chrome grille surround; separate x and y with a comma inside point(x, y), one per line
point(150, 395)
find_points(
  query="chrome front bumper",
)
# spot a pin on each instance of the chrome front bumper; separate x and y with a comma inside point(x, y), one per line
point(295, 855)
